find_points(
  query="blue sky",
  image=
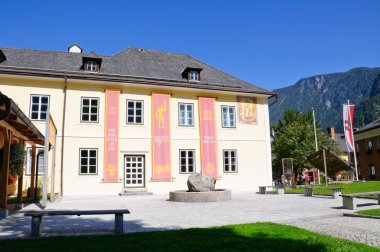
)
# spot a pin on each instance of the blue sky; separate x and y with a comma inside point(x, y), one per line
point(268, 43)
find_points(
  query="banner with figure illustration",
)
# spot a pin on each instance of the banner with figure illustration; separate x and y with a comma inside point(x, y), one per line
point(247, 109)
point(161, 136)
point(207, 127)
point(111, 136)
point(348, 121)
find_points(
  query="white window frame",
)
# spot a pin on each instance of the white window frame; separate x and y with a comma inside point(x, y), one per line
point(39, 104)
point(134, 116)
point(28, 163)
point(228, 123)
point(368, 146)
point(88, 161)
point(227, 167)
point(372, 170)
point(194, 75)
point(186, 157)
point(89, 113)
point(91, 66)
point(186, 116)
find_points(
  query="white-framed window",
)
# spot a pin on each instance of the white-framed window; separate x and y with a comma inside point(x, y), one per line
point(40, 161)
point(230, 161)
point(228, 117)
point(368, 146)
point(92, 66)
point(88, 161)
point(357, 148)
point(187, 161)
point(186, 114)
point(38, 107)
point(135, 112)
point(372, 171)
point(193, 75)
point(90, 109)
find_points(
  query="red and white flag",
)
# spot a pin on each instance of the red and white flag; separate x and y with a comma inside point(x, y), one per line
point(348, 126)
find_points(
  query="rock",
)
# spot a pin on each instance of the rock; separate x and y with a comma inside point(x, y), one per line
point(200, 183)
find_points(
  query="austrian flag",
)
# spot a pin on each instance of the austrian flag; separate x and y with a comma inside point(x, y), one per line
point(348, 126)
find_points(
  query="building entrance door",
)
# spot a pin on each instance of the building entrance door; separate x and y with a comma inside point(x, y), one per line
point(134, 167)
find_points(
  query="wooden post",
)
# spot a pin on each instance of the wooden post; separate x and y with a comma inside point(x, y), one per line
point(5, 166)
point(33, 172)
point(325, 165)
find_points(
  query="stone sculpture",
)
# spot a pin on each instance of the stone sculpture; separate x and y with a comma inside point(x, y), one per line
point(200, 183)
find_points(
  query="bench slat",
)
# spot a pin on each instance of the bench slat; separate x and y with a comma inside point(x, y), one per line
point(361, 194)
point(74, 212)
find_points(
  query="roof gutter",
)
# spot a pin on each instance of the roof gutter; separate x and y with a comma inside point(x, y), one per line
point(275, 101)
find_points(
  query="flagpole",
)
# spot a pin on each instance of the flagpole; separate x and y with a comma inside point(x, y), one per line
point(316, 144)
point(46, 156)
point(353, 141)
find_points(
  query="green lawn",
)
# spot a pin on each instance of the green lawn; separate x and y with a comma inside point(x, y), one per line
point(246, 237)
point(346, 188)
point(371, 212)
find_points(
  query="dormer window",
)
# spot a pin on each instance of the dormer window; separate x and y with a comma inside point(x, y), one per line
point(91, 66)
point(192, 74)
point(91, 63)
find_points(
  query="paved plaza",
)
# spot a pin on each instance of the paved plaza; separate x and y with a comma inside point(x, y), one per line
point(154, 212)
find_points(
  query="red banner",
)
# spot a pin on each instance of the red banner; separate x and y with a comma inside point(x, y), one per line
point(161, 137)
point(207, 127)
point(111, 136)
point(348, 124)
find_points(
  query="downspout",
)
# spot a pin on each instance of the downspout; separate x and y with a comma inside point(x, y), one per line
point(63, 131)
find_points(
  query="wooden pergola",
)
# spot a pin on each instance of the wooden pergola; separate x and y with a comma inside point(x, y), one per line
point(324, 158)
point(15, 128)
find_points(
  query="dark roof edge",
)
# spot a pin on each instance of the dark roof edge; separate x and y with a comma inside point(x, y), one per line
point(367, 129)
point(124, 78)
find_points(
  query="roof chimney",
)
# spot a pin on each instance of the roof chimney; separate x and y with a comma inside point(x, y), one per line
point(75, 48)
point(331, 131)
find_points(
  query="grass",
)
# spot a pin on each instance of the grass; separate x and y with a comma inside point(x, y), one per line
point(370, 212)
point(346, 188)
point(245, 237)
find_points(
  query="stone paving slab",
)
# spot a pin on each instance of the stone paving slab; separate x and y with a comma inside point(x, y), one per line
point(154, 212)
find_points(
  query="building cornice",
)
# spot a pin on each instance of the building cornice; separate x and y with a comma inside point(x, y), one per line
point(5, 70)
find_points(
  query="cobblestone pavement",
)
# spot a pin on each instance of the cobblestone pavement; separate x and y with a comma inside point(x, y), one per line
point(155, 212)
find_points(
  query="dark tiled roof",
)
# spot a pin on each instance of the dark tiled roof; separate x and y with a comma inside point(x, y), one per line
point(341, 141)
point(370, 126)
point(132, 62)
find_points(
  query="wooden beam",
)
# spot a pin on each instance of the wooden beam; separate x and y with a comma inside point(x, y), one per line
point(5, 166)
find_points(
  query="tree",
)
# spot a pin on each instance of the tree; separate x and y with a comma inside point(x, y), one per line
point(294, 138)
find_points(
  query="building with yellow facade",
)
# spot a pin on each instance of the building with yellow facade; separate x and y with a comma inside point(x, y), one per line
point(140, 120)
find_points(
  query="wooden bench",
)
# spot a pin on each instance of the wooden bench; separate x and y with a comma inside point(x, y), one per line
point(349, 201)
point(335, 191)
point(38, 214)
point(263, 189)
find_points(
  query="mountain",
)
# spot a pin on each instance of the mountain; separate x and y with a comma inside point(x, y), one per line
point(327, 92)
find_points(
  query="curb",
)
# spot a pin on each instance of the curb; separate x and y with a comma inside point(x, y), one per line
point(361, 216)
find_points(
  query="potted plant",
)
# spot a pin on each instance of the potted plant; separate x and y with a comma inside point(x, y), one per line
point(16, 165)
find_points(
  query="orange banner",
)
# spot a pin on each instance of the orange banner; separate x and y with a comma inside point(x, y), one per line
point(161, 137)
point(111, 136)
point(207, 127)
